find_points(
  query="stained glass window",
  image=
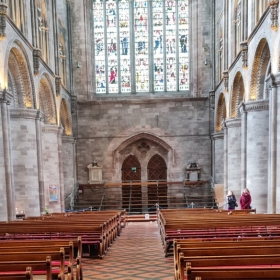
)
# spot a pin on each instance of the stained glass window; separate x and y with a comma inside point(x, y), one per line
point(141, 46)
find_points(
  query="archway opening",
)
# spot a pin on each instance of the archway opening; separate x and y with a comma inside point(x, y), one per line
point(131, 194)
point(157, 171)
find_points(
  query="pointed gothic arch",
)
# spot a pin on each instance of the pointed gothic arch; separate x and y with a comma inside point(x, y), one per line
point(131, 195)
point(221, 112)
point(157, 171)
point(259, 70)
point(237, 95)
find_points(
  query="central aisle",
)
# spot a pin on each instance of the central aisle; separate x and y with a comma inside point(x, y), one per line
point(136, 254)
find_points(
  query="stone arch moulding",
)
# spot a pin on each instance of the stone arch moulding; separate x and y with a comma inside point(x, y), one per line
point(16, 47)
point(47, 100)
point(144, 136)
point(65, 117)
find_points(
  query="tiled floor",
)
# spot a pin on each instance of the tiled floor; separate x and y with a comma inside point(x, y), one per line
point(136, 254)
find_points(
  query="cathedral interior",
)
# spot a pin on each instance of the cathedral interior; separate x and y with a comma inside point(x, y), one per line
point(110, 91)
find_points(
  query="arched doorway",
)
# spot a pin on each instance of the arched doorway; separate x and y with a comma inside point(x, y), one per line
point(131, 195)
point(157, 171)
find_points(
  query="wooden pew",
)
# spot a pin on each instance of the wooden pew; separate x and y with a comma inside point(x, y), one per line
point(54, 265)
point(238, 273)
point(22, 247)
point(217, 254)
point(18, 275)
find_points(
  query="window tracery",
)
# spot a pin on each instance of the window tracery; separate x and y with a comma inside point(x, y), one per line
point(141, 46)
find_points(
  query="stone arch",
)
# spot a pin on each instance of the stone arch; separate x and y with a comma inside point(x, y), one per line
point(145, 136)
point(237, 95)
point(47, 101)
point(65, 119)
point(259, 70)
point(221, 112)
point(20, 81)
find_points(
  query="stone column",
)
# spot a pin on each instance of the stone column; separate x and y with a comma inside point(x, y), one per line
point(243, 163)
point(272, 156)
point(233, 155)
point(38, 122)
point(218, 157)
point(257, 152)
point(25, 160)
point(69, 168)
point(225, 35)
point(60, 164)
point(225, 157)
point(7, 210)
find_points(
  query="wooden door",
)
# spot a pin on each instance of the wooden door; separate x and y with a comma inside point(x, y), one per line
point(131, 195)
point(157, 170)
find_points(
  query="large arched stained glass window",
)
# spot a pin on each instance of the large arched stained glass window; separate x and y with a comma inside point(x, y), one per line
point(141, 46)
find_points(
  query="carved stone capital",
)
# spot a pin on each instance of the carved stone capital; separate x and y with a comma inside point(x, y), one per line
point(225, 77)
point(57, 85)
point(273, 4)
point(256, 105)
point(5, 97)
point(244, 54)
point(73, 104)
point(36, 60)
point(23, 113)
point(68, 140)
point(217, 136)
point(241, 108)
point(212, 99)
point(233, 122)
point(3, 14)
point(40, 115)
point(48, 128)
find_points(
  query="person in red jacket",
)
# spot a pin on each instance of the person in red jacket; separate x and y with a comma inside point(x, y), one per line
point(245, 199)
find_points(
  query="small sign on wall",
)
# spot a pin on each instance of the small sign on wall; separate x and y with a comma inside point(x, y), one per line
point(53, 193)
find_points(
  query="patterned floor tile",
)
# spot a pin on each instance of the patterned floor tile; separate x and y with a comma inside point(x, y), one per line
point(136, 254)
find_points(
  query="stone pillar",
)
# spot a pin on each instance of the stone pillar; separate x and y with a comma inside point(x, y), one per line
point(218, 157)
point(60, 164)
point(234, 155)
point(225, 35)
point(243, 163)
point(69, 168)
point(38, 122)
point(257, 152)
point(225, 158)
point(25, 160)
point(51, 159)
point(7, 209)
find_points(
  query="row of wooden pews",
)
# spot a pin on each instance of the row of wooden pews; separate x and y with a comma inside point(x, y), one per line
point(53, 245)
point(209, 245)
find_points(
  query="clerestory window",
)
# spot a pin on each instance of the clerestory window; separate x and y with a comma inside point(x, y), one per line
point(141, 46)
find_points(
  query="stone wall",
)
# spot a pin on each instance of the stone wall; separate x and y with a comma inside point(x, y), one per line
point(177, 129)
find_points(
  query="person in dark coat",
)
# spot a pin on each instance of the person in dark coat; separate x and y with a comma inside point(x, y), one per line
point(245, 199)
point(231, 201)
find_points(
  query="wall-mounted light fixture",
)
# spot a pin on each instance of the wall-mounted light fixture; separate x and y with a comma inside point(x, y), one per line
point(205, 61)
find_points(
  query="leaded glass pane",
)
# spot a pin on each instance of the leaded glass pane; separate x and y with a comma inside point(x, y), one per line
point(158, 25)
point(99, 47)
point(112, 46)
point(183, 49)
point(141, 45)
point(124, 46)
point(171, 64)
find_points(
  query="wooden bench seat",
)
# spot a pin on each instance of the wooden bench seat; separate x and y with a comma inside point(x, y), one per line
point(217, 253)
